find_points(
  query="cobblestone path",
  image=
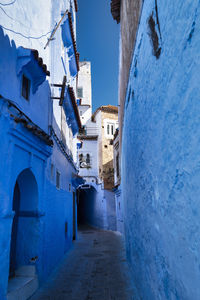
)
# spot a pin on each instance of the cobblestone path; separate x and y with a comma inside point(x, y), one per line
point(94, 269)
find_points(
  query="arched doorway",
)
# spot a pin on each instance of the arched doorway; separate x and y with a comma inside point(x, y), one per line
point(25, 227)
point(86, 204)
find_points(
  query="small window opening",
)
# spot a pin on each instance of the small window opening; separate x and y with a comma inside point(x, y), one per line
point(80, 159)
point(112, 129)
point(88, 159)
point(105, 146)
point(66, 228)
point(117, 165)
point(52, 171)
point(26, 87)
point(108, 129)
point(57, 180)
point(80, 92)
point(69, 187)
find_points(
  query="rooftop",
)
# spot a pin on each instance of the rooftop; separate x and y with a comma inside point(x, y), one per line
point(106, 108)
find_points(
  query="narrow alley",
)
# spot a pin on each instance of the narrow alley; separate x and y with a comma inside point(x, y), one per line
point(94, 269)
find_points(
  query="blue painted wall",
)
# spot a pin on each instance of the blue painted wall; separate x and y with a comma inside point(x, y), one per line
point(98, 207)
point(161, 140)
point(46, 211)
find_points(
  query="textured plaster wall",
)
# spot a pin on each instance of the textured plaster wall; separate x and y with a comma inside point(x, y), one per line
point(160, 154)
point(89, 147)
point(85, 82)
point(30, 24)
point(99, 207)
point(21, 150)
point(106, 150)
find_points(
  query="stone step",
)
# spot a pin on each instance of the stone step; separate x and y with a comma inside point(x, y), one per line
point(26, 271)
point(21, 288)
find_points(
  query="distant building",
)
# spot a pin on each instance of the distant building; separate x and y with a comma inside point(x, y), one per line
point(95, 156)
point(84, 92)
point(106, 120)
point(39, 121)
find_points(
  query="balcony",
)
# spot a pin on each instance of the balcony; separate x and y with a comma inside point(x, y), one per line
point(88, 132)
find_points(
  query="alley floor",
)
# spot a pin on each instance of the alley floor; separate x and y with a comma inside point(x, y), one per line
point(94, 269)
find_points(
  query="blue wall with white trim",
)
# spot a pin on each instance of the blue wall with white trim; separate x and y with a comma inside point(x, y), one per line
point(45, 220)
point(161, 139)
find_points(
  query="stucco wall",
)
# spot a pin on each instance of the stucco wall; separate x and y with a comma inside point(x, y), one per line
point(99, 207)
point(106, 150)
point(42, 226)
point(30, 24)
point(89, 147)
point(84, 81)
point(160, 154)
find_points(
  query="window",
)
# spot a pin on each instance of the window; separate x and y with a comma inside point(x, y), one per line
point(112, 129)
point(66, 228)
point(108, 129)
point(69, 187)
point(81, 157)
point(52, 171)
point(117, 165)
point(105, 146)
point(80, 92)
point(57, 180)
point(81, 113)
point(84, 160)
point(88, 159)
point(26, 87)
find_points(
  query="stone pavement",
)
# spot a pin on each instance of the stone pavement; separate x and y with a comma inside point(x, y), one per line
point(94, 269)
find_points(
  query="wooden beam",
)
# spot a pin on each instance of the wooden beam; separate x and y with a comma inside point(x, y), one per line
point(54, 31)
point(56, 85)
point(62, 94)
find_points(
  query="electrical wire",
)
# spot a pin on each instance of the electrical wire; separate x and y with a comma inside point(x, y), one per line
point(11, 17)
point(6, 4)
point(25, 36)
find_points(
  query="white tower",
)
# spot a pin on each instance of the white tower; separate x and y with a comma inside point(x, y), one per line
point(84, 92)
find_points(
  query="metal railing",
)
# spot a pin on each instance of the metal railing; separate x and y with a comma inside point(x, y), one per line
point(89, 131)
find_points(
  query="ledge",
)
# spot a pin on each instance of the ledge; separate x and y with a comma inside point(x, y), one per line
point(29, 63)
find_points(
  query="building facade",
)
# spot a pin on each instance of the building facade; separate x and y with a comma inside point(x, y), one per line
point(106, 119)
point(39, 120)
point(95, 156)
point(159, 108)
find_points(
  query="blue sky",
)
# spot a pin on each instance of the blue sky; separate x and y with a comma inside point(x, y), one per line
point(98, 42)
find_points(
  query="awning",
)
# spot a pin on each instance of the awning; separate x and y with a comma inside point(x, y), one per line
point(71, 110)
point(69, 42)
point(30, 64)
point(66, 34)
